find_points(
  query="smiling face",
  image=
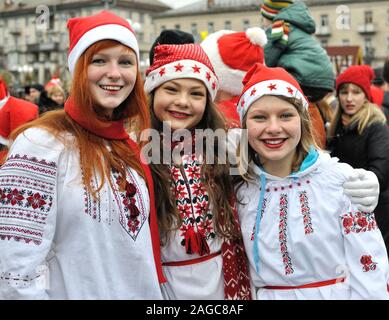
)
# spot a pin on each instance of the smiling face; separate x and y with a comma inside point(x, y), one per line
point(112, 75)
point(351, 98)
point(181, 102)
point(274, 131)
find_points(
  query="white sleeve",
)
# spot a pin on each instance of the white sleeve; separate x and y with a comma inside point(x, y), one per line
point(28, 184)
point(366, 256)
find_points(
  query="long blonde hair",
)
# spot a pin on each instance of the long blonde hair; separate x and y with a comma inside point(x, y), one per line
point(369, 113)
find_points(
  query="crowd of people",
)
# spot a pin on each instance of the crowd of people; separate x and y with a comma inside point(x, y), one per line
point(84, 215)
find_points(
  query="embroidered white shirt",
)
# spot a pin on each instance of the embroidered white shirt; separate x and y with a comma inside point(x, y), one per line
point(57, 241)
point(309, 232)
point(203, 280)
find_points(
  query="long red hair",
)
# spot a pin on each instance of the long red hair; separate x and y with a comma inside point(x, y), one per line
point(91, 147)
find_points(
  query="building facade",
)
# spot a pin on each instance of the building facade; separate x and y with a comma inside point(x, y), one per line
point(363, 23)
point(34, 38)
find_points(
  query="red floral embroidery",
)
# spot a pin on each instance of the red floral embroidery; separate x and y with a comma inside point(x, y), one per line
point(283, 238)
point(36, 201)
point(368, 263)
point(306, 212)
point(26, 188)
point(192, 204)
point(15, 197)
point(358, 222)
point(132, 216)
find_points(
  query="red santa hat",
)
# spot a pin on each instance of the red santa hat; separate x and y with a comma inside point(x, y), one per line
point(358, 75)
point(232, 54)
point(262, 81)
point(13, 114)
point(179, 61)
point(3, 90)
point(85, 31)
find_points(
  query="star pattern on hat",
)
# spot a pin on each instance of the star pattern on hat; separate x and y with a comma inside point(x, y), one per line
point(183, 69)
point(253, 92)
point(178, 67)
point(290, 90)
point(162, 71)
point(196, 69)
point(242, 103)
point(272, 87)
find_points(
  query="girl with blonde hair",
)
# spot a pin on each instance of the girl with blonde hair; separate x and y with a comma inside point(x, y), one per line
point(359, 136)
point(303, 236)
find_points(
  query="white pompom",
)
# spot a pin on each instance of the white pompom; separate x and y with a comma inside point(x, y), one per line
point(257, 36)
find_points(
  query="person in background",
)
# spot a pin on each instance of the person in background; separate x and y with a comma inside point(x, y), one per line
point(14, 112)
point(33, 92)
point(86, 225)
point(57, 94)
point(52, 98)
point(232, 54)
point(359, 136)
point(291, 45)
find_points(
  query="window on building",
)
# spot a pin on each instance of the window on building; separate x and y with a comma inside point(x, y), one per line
point(177, 27)
point(227, 25)
point(345, 42)
point(324, 20)
point(194, 29)
point(163, 28)
point(211, 27)
point(142, 18)
point(368, 17)
point(324, 43)
point(246, 24)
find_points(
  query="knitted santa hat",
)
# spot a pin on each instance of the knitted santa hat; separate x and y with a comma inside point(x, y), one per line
point(232, 54)
point(179, 61)
point(261, 81)
point(358, 75)
point(85, 31)
point(270, 8)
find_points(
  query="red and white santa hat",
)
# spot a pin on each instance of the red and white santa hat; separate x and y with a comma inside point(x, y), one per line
point(262, 81)
point(177, 61)
point(85, 31)
point(233, 53)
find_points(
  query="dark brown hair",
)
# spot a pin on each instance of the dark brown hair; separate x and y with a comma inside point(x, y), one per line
point(215, 177)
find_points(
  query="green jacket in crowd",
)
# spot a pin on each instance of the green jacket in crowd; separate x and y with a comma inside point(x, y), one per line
point(302, 56)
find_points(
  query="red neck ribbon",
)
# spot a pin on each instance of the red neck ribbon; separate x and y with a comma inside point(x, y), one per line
point(114, 130)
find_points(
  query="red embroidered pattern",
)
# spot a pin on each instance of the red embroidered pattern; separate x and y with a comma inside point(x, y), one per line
point(283, 234)
point(26, 195)
point(131, 205)
point(358, 222)
point(192, 199)
point(236, 279)
point(306, 212)
point(368, 263)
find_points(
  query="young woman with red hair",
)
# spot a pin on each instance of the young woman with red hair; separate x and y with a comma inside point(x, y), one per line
point(77, 215)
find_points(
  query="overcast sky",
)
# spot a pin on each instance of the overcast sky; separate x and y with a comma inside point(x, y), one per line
point(178, 3)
